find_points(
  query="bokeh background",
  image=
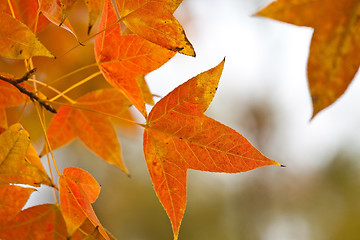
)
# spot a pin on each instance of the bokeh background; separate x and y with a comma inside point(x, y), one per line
point(263, 94)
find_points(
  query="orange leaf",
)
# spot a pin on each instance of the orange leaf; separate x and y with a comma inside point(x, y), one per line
point(123, 58)
point(94, 6)
point(17, 41)
point(89, 232)
point(94, 130)
point(38, 222)
point(154, 21)
point(14, 166)
point(13, 199)
point(10, 96)
point(179, 136)
point(26, 11)
point(59, 130)
point(333, 59)
point(78, 189)
point(3, 120)
point(52, 11)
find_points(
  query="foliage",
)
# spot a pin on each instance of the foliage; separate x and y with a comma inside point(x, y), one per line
point(132, 40)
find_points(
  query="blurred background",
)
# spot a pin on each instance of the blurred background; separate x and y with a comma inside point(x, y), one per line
point(263, 94)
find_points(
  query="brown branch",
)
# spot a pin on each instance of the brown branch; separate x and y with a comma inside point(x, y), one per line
point(31, 95)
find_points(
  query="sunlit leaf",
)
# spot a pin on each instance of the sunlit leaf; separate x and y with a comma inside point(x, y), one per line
point(17, 41)
point(12, 200)
point(38, 222)
point(124, 58)
point(78, 189)
point(179, 137)
point(14, 166)
point(333, 59)
point(154, 21)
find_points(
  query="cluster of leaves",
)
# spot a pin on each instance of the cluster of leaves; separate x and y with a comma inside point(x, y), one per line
point(134, 38)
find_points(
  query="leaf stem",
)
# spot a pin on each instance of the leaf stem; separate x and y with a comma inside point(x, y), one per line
point(76, 85)
point(54, 89)
point(11, 9)
point(42, 120)
point(73, 72)
point(103, 113)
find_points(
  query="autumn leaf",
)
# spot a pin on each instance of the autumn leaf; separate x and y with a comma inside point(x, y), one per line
point(38, 222)
point(3, 120)
point(87, 231)
point(13, 199)
point(25, 11)
point(95, 130)
point(78, 189)
point(178, 136)
point(15, 165)
point(94, 6)
point(154, 21)
point(333, 59)
point(10, 96)
point(17, 41)
point(52, 11)
point(124, 58)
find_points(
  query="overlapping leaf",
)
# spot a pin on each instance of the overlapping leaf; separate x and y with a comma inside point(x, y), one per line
point(78, 189)
point(52, 11)
point(178, 136)
point(12, 200)
point(26, 11)
point(17, 162)
point(95, 130)
point(333, 59)
point(124, 58)
point(94, 6)
point(89, 232)
point(3, 120)
point(38, 222)
point(154, 21)
point(17, 41)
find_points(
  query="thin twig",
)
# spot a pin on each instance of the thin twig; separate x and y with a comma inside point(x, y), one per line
point(31, 95)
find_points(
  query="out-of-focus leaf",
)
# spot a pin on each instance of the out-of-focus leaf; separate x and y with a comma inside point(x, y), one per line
point(78, 189)
point(10, 96)
point(123, 58)
point(12, 200)
point(14, 167)
point(26, 11)
point(154, 21)
point(333, 59)
point(41, 222)
point(178, 136)
point(3, 120)
point(95, 130)
point(17, 41)
point(52, 11)
point(94, 6)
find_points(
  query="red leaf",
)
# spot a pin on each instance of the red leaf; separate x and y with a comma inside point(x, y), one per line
point(78, 189)
point(41, 222)
point(123, 58)
point(154, 21)
point(13, 199)
point(179, 136)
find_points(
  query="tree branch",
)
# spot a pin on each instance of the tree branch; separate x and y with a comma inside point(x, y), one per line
point(31, 95)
